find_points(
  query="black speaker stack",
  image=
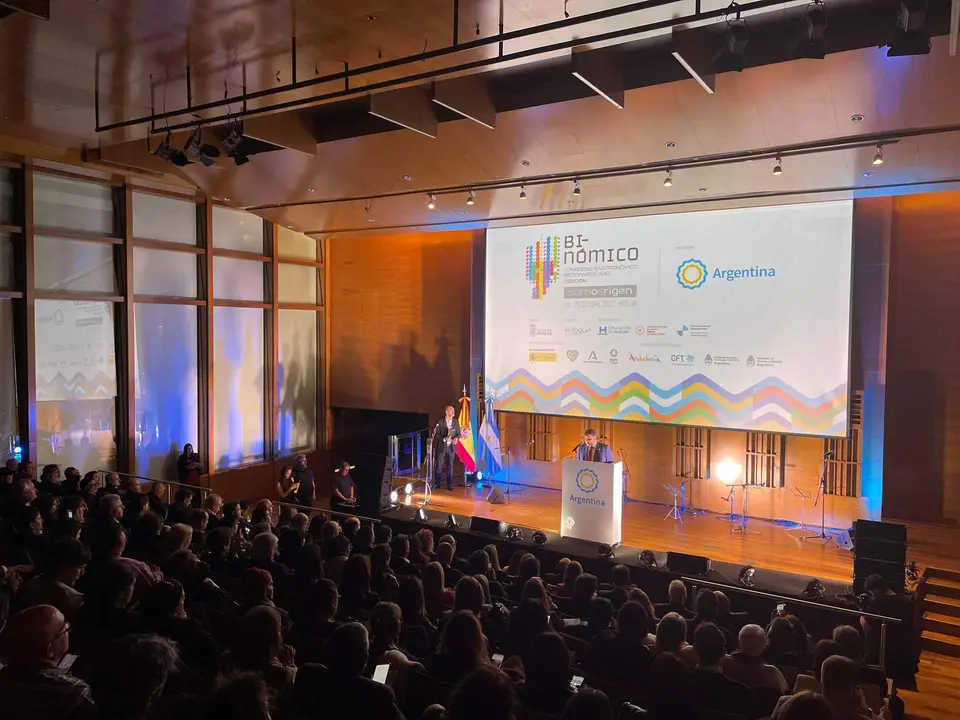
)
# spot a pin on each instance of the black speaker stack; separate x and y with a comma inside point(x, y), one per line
point(879, 548)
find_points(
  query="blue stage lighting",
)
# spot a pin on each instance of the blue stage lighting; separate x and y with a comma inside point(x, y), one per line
point(479, 476)
point(17, 450)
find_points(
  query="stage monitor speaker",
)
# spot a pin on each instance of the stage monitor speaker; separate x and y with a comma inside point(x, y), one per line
point(892, 572)
point(684, 564)
point(873, 530)
point(485, 526)
point(870, 549)
point(496, 496)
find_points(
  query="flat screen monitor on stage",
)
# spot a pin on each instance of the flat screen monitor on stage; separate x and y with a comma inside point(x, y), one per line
point(733, 319)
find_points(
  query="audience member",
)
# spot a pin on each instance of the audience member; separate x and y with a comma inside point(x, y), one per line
point(339, 689)
point(65, 563)
point(708, 610)
point(546, 683)
point(400, 557)
point(463, 647)
point(622, 656)
point(451, 576)
point(711, 689)
point(356, 597)
point(672, 638)
point(484, 694)
point(677, 594)
point(32, 685)
point(588, 704)
point(317, 624)
point(746, 665)
point(803, 706)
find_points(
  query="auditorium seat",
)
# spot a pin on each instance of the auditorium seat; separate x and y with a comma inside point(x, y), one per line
point(765, 700)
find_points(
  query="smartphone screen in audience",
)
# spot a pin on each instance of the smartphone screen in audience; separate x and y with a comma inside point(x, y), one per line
point(576, 682)
point(497, 659)
point(67, 662)
point(380, 674)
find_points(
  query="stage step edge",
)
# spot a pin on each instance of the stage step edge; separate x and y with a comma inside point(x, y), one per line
point(941, 606)
point(940, 644)
point(943, 624)
point(939, 573)
point(935, 589)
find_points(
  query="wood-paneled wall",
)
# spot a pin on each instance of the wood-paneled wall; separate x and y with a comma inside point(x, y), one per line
point(922, 435)
point(399, 309)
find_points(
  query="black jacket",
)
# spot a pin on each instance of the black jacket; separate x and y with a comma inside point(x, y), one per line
point(321, 693)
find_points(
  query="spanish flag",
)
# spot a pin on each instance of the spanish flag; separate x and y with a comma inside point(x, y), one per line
point(465, 449)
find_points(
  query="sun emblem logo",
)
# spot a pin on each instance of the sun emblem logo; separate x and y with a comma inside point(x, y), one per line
point(691, 274)
point(587, 480)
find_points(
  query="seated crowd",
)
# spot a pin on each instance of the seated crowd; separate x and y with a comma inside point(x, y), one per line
point(116, 605)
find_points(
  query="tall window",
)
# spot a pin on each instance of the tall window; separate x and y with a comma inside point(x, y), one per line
point(8, 388)
point(765, 459)
point(691, 452)
point(300, 295)
point(238, 387)
point(239, 326)
point(74, 253)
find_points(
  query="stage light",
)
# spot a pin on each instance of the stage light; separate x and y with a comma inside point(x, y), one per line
point(514, 533)
point(433, 201)
point(233, 144)
point(523, 192)
point(605, 552)
point(470, 197)
point(166, 151)
point(911, 36)
point(17, 450)
point(747, 576)
point(394, 497)
point(576, 187)
point(648, 560)
point(814, 590)
point(408, 499)
point(420, 516)
point(668, 180)
point(878, 158)
point(811, 45)
point(408, 488)
point(539, 538)
point(451, 522)
point(778, 168)
point(240, 158)
point(728, 472)
point(204, 152)
point(730, 55)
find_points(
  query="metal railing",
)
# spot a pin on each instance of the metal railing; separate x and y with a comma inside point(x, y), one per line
point(884, 619)
point(200, 491)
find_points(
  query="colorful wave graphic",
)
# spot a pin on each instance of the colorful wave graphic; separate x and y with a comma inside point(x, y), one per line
point(770, 405)
point(79, 387)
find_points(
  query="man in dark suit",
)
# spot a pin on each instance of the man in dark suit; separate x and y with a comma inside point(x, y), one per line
point(592, 450)
point(339, 691)
point(445, 441)
point(677, 594)
point(400, 557)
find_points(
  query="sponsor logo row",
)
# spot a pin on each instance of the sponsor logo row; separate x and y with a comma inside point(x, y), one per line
point(607, 330)
point(615, 357)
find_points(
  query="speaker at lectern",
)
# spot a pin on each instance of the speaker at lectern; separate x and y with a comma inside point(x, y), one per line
point(592, 506)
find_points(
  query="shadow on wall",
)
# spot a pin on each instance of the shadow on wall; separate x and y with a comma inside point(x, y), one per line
point(411, 382)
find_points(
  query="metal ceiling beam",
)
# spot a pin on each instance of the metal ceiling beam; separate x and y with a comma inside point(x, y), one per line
point(410, 108)
point(36, 8)
point(469, 97)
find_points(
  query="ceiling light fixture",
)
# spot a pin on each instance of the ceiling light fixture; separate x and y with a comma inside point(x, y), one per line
point(408, 178)
point(461, 211)
point(866, 174)
point(670, 145)
point(432, 203)
point(576, 186)
point(471, 196)
point(165, 151)
point(310, 189)
point(525, 163)
point(778, 168)
point(856, 117)
point(668, 180)
point(878, 158)
point(523, 192)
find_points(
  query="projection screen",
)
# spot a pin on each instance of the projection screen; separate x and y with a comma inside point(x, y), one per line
point(734, 319)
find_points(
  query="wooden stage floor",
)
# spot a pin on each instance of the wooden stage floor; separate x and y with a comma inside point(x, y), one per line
point(644, 526)
point(706, 534)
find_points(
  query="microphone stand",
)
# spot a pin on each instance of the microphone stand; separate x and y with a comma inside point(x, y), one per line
point(825, 538)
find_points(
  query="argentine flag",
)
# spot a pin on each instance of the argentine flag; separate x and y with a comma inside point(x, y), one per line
point(490, 441)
